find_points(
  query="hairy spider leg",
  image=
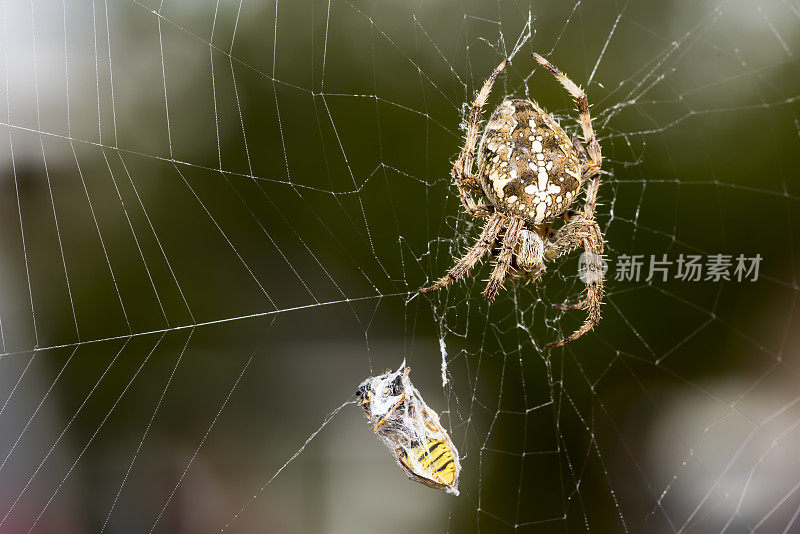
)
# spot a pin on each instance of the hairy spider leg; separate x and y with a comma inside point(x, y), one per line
point(503, 259)
point(582, 230)
point(585, 233)
point(489, 235)
point(582, 103)
point(462, 167)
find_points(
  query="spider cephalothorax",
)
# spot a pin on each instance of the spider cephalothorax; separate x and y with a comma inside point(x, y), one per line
point(530, 171)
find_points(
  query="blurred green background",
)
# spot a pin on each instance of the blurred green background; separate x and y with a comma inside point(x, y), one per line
point(215, 215)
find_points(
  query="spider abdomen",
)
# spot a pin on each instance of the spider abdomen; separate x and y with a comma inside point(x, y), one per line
point(527, 164)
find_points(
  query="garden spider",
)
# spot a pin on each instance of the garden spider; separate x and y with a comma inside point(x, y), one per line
point(530, 171)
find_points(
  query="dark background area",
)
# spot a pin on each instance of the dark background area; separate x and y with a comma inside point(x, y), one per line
point(214, 217)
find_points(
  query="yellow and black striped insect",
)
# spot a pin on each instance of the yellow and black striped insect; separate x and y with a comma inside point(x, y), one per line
point(435, 459)
point(410, 429)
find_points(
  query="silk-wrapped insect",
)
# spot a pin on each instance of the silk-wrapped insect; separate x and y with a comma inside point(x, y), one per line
point(410, 429)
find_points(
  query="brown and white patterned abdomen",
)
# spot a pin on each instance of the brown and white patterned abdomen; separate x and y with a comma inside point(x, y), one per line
point(526, 164)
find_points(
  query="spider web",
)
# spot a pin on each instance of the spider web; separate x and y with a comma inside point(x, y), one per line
point(215, 217)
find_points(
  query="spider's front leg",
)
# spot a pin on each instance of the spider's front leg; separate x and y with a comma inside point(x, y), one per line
point(465, 181)
point(583, 109)
point(585, 233)
point(468, 185)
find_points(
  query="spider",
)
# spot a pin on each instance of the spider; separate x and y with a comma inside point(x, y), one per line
point(530, 172)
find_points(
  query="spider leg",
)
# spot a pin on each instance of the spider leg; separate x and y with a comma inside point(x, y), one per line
point(581, 151)
point(466, 156)
point(463, 266)
point(583, 109)
point(503, 259)
point(580, 229)
point(582, 232)
point(462, 167)
point(391, 411)
point(569, 307)
point(553, 235)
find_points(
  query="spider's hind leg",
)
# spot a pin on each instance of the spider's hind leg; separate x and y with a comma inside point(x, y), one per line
point(473, 255)
point(581, 232)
